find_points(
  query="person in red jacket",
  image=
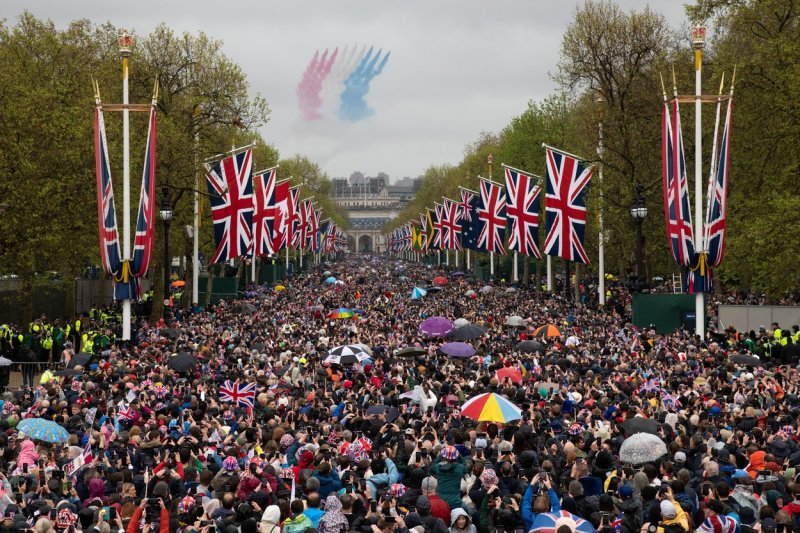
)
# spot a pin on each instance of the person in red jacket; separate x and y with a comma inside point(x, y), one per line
point(163, 520)
point(439, 507)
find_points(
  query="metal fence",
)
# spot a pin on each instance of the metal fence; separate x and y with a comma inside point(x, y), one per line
point(752, 317)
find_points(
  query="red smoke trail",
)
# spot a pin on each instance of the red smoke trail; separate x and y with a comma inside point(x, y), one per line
point(310, 85)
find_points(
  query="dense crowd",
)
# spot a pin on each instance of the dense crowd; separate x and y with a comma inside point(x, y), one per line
point(617, 429)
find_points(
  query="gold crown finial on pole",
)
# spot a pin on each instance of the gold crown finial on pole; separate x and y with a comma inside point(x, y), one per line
point(699, 36)
point(124, 42)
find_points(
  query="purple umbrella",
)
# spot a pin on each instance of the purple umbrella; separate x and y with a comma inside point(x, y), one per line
point(436, 326)
point(458, 349)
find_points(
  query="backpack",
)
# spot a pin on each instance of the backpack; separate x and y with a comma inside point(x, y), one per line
point(672, 528)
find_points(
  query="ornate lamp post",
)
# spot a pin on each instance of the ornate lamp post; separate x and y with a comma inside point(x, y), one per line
point(638, 212)
point(166, 217)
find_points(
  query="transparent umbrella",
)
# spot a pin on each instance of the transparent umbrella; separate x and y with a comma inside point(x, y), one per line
point(642, 448)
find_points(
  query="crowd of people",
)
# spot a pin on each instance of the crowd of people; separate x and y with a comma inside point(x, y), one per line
point(236, 418)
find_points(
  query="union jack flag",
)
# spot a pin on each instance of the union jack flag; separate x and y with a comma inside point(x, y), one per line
point(313, 228)
point(408, 238)
point(266, 212)
point(242, 395)
point(465, 206)
point(451, 228)
point(565, 205)
point(423, 232)
point(125, 412)
point(492, 214)
point(435, 225)
point(106, 211)
point(676, 190)
point(716, 210)
point(288, 214)
point(230, 186)
point(145, 221)
point(522, 210)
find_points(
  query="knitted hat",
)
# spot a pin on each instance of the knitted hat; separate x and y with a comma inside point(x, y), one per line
point(229, 463)
point(449, 452)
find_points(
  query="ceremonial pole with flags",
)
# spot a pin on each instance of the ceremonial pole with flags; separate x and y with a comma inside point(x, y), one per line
point(522, 212)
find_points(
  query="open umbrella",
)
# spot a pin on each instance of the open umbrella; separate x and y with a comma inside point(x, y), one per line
point(531, 347)
point(41, 429)
point(391, 412)
point(434, 288)
point(548, 331)
point(457, 274)
point(68, 373)
point(178, 283)
point(460, 322)
point(748, 360)
point(364, 348)
point(490, 407)
point(243, 308)
point(642, 448)
point(470, 332)
point(340, 313)
point(440, 280)
point(510, 290)
point(403, 278)
point(182, 362)
point(412, 351)
point(546, 523)
point(471, 294)
point(5, 361)
point(639, 424)
point(279, 288)
point(436, 326)
point(486, 289)
point(330, 280)
point(458, 349)
point(417, 293)
point(327, 273)
point(511, 373)
point(80, 359)
point(346, 355)
point(515, 321)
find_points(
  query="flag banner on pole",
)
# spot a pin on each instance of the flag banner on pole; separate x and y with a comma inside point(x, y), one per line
point(470, 224)
point(284, 209)
point(677, 213)
point(230, 186)
point(313, 228)
point(565, 205)
point(415, 236)
point(145, 221)
point(110, 256)
point(716, 210)
point(408, 242)
point(423, 232)
point(522, 211)
point(451, 226)
point(265, 212)
point(492, 217)
point(434, 228)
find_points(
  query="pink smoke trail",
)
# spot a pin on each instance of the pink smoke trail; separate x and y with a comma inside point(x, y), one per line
point(310, 85)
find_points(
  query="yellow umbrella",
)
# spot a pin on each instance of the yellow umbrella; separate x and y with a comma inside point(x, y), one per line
point(279, 288)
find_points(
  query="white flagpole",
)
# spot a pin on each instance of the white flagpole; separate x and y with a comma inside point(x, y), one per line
point(699, 42)
point(456, 258)
point(491, 264)
point(196, 233)
point(125, 53)
point(287, 262)
point(447, 257)
point(438, 258)
point(549, 273)
point(467, 258)
point(516, 271)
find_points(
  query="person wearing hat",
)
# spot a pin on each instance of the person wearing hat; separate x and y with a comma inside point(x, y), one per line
point(448, 468)
point(673, 518)
point(630, 506)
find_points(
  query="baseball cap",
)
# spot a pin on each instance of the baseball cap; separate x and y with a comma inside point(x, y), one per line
point(680, 457)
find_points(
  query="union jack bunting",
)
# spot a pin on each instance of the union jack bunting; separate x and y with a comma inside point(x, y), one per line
point(233, 392)
point(716, 210)
point(106, 211)
point(492, 215)
point(565, 205)
point(230, 186)
point(266, 212)
point(451, 228)
point(676, 190)
point(145, 220)
point(522, 211)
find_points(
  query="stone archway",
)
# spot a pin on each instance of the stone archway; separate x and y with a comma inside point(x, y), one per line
point(365, 244)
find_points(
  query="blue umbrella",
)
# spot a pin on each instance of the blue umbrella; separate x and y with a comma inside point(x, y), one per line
point(546, 522)
point(330, 280)
point(417, 293)
point(458, 349)
point(41, 429)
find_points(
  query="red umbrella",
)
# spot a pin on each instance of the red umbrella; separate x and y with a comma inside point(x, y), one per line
point(511, 373)
point(440, 280)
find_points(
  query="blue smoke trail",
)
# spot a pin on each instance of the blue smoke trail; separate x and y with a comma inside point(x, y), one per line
point(353, 107)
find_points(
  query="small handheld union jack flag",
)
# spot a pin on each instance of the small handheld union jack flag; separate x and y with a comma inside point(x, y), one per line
point(242, 395)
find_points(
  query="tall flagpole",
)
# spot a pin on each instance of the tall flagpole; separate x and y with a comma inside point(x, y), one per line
point(125, 41)
point(196, 233)
point(489, 160)
point(601, 262)
point(549, 273)
point(698, 41)
point(515, 276)
point(467, 258)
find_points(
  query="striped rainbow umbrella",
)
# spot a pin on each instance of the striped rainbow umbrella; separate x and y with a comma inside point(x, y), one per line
point(341, 312)
point(490, 407)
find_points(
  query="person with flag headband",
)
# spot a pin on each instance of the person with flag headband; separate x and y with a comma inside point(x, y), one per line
point(565, 205)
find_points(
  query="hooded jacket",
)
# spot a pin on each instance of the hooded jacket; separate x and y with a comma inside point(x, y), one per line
point(631, 519)
point(454, 516)
point(448, 474)
point(743, 495)
point(271, 520)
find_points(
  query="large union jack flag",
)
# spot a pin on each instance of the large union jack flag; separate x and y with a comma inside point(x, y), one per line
point(423, 232)
point(237, 394)
point(565, 205)
point(716, 210)
point(434, 228)
point(266, 212)
point(492, 215)
point(676, 189)
point(314, 216)
point(230, 186)
point(304, 208)
point(451, 226)
point(106, 211)
point(145, 221)
point(522, 211)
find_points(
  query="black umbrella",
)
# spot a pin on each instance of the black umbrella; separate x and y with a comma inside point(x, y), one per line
point(469, 332)
point(639, 424)
point(347, 355)
point(744, 359)
point(243, 308)
point(282, 370)
point(80, 359)
point(390, 412)
point(183, 362)
point(170, 333)
point(68, 373)
point(411, 352)
point(433, 288)
point(530, 347)
point(258, 346)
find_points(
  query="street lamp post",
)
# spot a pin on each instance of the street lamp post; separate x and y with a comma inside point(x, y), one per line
point(166, 217)
point(601, 264)
point(638, 212)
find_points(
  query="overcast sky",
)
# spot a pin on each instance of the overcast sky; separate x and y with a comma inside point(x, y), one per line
point(457, 67)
